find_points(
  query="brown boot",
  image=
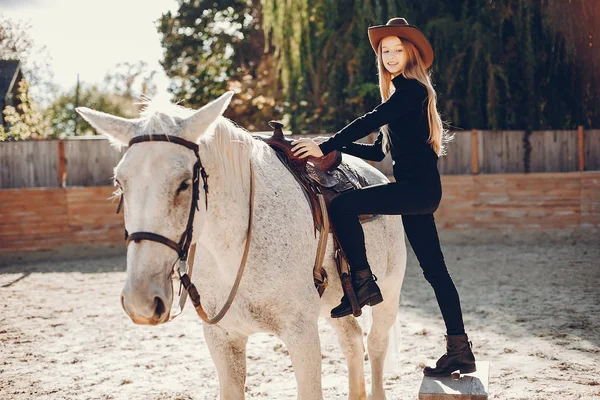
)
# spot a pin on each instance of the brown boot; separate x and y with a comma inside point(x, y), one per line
point(458, 357)
point(367, 292)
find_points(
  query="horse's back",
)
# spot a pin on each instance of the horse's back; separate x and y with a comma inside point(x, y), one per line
point(365, 170)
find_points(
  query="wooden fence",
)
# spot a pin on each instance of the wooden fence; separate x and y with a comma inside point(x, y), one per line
point(90, 161)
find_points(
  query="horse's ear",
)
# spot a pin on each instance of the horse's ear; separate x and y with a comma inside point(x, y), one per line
point(119, 130)
point(196, 124)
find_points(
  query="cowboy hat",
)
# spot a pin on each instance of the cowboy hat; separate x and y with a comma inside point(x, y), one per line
point(400, 28)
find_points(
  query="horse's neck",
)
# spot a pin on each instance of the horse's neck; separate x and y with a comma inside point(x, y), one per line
point(226, 220)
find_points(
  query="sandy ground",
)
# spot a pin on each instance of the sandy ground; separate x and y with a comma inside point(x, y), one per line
point(531, 306)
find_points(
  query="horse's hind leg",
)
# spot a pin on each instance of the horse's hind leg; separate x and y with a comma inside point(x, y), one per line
point(228, 352)
point(384, 316)
point(302, 341)
point(350, 338)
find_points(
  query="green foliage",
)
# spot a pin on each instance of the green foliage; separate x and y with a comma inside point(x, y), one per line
point(117, 95)
point(130, 80)
point(16, 43)
point(327, 72)
point(24, 121)
point(62, 116)
point(499, 64)
point(211, 47)
point(27, 121)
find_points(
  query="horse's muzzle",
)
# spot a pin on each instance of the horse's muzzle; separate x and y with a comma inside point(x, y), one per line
point(154, 315)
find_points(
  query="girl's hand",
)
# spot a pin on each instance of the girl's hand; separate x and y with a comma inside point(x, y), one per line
point(319, 139)
point(306, 147)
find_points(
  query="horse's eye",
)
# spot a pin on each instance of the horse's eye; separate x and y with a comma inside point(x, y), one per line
point(184, 186)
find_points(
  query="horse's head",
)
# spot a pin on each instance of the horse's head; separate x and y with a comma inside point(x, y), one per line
point(156, 181)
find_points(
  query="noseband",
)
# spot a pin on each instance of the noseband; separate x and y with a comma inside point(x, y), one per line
point(183, 246)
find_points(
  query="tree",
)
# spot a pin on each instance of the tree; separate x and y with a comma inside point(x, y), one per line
point(211, 47)
point(323, 59)
point(572, 30)
point(130, 80)
point(502, 64)
point(25, 120)
point(17, 44)
point(62, 117)
point(118, 94)
point(200, 42)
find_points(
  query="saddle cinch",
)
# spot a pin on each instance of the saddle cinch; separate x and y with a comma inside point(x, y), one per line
point(322, 179)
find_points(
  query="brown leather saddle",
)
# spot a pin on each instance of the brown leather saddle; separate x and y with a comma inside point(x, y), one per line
point(322, 179)
point(327, 175)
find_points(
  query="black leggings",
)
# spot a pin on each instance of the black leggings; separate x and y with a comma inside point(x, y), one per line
point(415, 201)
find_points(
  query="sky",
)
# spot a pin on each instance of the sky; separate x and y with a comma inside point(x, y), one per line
point(90, 37)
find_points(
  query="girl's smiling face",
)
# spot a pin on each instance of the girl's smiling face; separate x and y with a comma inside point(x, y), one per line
point(393, 55)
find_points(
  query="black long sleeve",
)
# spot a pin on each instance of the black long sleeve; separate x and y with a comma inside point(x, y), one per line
point(406, 100)
point(373, 152)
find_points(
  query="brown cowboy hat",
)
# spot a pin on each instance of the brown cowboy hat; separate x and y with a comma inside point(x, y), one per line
point(400, 28)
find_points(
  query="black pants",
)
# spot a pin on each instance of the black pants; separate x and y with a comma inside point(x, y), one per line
point(415, 200)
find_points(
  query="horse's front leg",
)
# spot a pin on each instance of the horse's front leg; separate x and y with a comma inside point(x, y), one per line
point(228, 351)
point(302, 341)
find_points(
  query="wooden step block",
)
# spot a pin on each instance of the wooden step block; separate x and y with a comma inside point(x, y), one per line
point(469, 387)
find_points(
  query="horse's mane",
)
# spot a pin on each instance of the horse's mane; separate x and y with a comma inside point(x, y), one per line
point(229, 146)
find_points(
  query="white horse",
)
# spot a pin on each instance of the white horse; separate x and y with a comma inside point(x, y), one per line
point(277, 293)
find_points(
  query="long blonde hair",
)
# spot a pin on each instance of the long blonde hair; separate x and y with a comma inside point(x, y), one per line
point(414, 69)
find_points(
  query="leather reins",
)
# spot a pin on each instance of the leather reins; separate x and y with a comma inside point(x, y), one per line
point(183, 246)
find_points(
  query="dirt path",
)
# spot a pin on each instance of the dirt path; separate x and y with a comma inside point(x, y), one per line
point(532, 308)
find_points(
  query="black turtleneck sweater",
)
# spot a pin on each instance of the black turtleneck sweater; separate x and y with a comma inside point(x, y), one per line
point(405, 112)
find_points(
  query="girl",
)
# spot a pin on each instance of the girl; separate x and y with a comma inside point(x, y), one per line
point(411, 129)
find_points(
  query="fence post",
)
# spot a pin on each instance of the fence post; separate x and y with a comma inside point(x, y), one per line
point(62, 165)
point(474, 152)
point(580, 147)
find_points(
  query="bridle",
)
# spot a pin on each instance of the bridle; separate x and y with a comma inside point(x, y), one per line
point(183, 246)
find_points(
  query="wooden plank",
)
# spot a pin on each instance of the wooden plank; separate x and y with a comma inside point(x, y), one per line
point(480, 152)
point(500, 152)
point(475, 152)
point(538, 155)
point(580, 148)
point(27, 164)
point(488, 153)
point(62, 165)
point(514, 151)
point(457, 160)
point(91, 162)
point(473, 386)
point(592, 149)
point(553, 151)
